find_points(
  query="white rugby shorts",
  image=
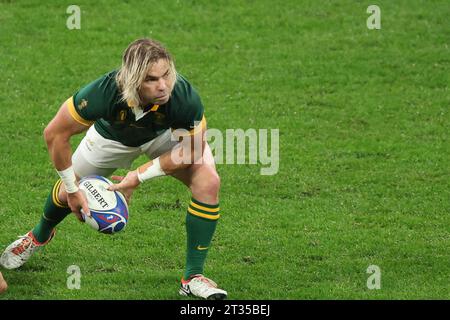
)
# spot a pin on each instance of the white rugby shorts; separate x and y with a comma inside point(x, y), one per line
point(100, 156)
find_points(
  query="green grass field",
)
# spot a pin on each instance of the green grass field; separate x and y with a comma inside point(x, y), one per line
point(364, 175)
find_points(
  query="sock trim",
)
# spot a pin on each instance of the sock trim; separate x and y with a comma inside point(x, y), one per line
point(203, 215)
point(202, 208)
point(55, 192)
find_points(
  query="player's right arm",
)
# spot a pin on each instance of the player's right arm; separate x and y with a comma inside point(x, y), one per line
point(76, 115)
point(57, 135)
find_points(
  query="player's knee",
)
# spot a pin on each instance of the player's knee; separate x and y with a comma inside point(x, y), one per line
point(208, 183)
point(214, 182)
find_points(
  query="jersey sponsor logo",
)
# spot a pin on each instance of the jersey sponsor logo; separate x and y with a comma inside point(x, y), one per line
point(83, 104)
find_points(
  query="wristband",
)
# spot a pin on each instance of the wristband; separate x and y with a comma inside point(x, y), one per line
point(68, 178)
point(151, 172)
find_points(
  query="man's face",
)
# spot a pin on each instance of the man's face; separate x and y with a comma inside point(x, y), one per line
point(158, 83)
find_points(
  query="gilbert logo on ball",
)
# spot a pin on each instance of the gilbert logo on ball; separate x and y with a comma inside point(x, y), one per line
point(109, 209)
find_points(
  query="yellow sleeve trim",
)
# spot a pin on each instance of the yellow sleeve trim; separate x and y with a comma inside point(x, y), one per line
point(197, 129)
point(75, 115)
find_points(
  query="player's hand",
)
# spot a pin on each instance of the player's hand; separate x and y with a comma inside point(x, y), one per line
point(126, 185)
point(77, 201)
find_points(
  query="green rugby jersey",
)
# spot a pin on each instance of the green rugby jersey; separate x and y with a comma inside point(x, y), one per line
point(99, 103)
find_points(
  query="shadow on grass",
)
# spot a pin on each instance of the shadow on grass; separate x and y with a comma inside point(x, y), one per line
point(157, 205)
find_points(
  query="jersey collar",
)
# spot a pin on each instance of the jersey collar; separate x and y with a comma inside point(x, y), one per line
point(139, 113)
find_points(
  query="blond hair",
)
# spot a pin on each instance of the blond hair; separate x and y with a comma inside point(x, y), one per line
point(138, 57)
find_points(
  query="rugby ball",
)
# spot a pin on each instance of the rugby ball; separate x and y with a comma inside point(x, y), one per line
point(109, 209)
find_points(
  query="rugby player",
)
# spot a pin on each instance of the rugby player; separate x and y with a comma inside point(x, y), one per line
point(128, 112)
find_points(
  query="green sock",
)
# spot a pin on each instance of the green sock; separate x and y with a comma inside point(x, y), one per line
point(54, 213)
point(201, 221)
